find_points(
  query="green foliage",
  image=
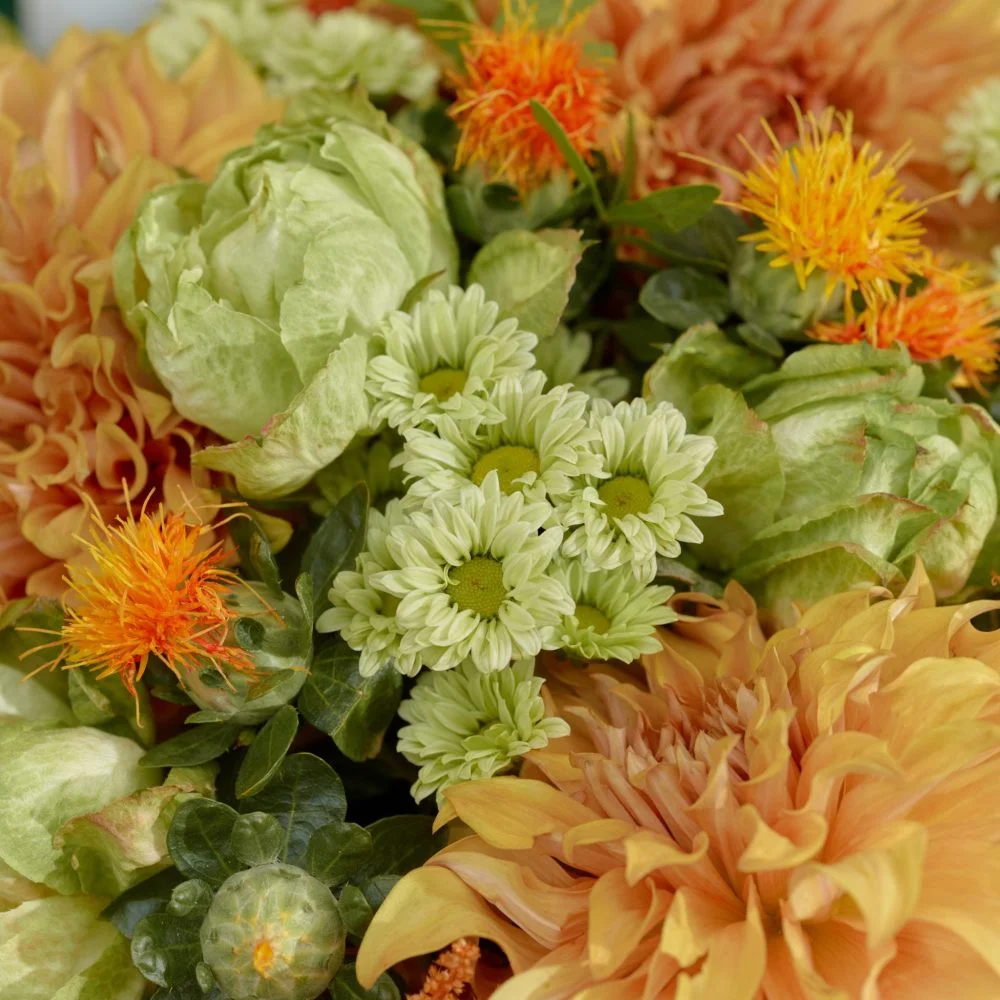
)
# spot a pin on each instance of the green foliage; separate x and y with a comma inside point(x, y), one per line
point(267, 751)
point(682, 297)
point(197, 745)
point(337, 851)
point(345, 986)
point(199, 841)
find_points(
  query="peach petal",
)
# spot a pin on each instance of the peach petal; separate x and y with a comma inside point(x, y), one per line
point(620, 917)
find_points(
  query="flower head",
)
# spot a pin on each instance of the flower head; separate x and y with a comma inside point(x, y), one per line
point(504, 72)
point(616, 615)
point(471, 579)
point(443, 357)
point(154, 589)
point(952, 316)
point(806, 814)
point(642, 503)
point(973, 142)
point(826, 206)
point(540, 446)
point(464, 725)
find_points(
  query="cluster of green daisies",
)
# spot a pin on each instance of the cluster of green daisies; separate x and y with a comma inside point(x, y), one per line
point(532, 520)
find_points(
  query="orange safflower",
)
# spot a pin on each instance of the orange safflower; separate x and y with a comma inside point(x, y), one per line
point(504, 71)
point(952, 316)
point(808, 813)
point(154, 589)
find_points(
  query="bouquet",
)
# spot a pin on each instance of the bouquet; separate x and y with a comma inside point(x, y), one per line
point(502, 502)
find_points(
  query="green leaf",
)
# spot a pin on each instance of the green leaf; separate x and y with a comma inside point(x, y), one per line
point(376, 889)
point(257, 838)
point(400, 843)
point(760, 340)
point(712, 242)
point(267, 751)
point(682, 297)
point(627, 176)
point(193, 746)
point(416, 293)
point(345, 986)
point(670, 210)
point(97, 702)
point(304, 592)
point(191, 898)
point(147, 897)
point(353, 710)
point(355, 910)
point(576, 162)
point(256, 558)
point(337, 851)
point(166, 948)
point(304, 795)
point(199, 841)
point(336, 544)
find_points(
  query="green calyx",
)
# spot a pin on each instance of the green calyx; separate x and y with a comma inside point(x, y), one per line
point(590, 617)
point(510, 462)
point(444, 382)
point(478, 586)
point(625, 495)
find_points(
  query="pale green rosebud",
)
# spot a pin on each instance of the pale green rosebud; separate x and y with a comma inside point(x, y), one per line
point(273, 933)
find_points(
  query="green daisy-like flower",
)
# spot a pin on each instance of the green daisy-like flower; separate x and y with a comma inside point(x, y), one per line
point(369, 462)
point(465, 725)
point(645, 504)
point(443, 358)
point(563, 356)
point(541, 446)
point(616, 615)
point(973, 143)
point(472, 580)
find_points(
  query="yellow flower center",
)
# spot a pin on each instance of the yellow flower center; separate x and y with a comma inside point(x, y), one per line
point(478, 586)
point(589, 617)
point(625, 495)
point(444, 382)
point(263, 957)
point(510, 462)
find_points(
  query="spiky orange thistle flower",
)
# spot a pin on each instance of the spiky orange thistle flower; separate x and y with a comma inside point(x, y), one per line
point(504, 72)
point(830, 207)
point(453, 970)
point(154, 589)
point(952, 316)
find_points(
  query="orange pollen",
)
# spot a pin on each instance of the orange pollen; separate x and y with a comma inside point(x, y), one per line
point(950, 317)
point(152, 590)
point(263, 957)
point(504, 72)
point(453, 970)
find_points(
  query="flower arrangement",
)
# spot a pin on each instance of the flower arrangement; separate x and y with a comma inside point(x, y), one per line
point(501, 501)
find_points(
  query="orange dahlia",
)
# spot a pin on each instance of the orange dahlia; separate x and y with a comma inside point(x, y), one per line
point(810, 814)
point(503, 73)
point(83, 137)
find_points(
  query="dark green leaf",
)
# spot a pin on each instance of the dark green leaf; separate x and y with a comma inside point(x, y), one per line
point(345, 986)
point(304, 795)
point(376, 889)
point(335, 544)
point(304, 592)
point(643, 337)
point(199, 840)
point(256, 558)
point(96, 702)
point(166, 948)
point(250, 633)
point(627, 175)
point(760, 340)
point(147, 897)
point(682, 297)
point(189, 991)
point(711, 243)
point(193, 746)
point(190, 899)
point(501, 197)
point(575, 161)
point(267, 684)
point(354, 710)
point(400, 843)
point(355, 910)
point(669, 210)
point(337, 851)
point(592, 271)
point(267, 751)
point(257, 838)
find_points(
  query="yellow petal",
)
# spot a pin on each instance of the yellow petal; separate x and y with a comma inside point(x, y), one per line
point(620, 916)
point(793, 840)
point(691, 924)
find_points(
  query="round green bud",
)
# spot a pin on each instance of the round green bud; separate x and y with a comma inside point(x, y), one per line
point(273, 933)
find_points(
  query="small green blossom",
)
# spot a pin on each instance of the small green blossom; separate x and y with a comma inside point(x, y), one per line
point(465, 725)
point(443, 358)
point(472, 578)
point(563, 356)
point(643, 503)
point(540, 447)
point(616, 615)
point(973, 143)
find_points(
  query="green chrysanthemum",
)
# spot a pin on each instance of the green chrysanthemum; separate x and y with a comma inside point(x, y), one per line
point(443, 358)
point(973, 143)
point(472, 581)
point(364, 614)
point(540, 447)
point(465, 725)
point(645, 505)
point(616, 615)
point(564, 355)
point(369, 462)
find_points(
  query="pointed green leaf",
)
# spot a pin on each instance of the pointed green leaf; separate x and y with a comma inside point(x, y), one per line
point(194, 746)
point(576, 162)
point(267, 751)
point(199, 841)
point(669, 210)
point(336, 544)
point(337, 851)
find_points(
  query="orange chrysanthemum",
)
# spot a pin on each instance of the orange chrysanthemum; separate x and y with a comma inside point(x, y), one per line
point(452, 973)
point(153, 588)
point(810, 814)
point(504, 71)
point(828, 207)
point(952, 316)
